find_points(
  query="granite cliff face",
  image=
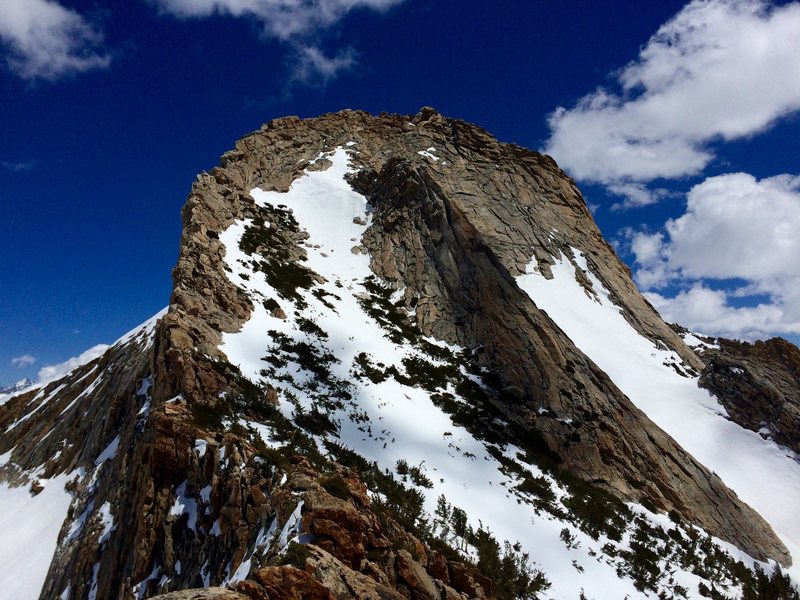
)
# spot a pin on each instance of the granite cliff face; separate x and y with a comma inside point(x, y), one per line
point(267, 433)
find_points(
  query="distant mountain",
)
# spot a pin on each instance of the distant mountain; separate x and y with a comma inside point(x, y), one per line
point(400, 361)
point(17, 387)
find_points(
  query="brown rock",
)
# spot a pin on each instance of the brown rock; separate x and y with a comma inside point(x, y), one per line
point(213, 593)
point(468, 581)
point(344, 582)
point(336, 524)
point(290, 583)
point(759, 386)
point(437, 567)
point(415, 577)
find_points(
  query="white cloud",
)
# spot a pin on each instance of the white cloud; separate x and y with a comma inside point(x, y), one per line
point(296, 22)
point(282, 19)
point(53, 372)
point(709, 311)
point(46, 41)
point(718, 70)
point(636, 194)
point(26, 360)
point(735, 228)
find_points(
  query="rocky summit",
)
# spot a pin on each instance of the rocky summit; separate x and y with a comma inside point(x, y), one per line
point(400, 361)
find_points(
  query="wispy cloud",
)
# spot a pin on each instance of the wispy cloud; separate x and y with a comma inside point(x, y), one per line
point(281, 19)
point(46, 41)
point(26, 360)
point(310, 66)
point(19, 167)
point(635, 194)
point(299, 24)
point(719, 70)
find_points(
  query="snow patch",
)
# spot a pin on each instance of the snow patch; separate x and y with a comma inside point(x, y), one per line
point(109, 452)
point(429, 154)
point(29, 528)
point(262, 542)
point(140, 589)
point(185, 505)
point(200, 446)
point(107, 521)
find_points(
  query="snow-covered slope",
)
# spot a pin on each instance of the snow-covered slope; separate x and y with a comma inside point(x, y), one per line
point(763, 474)
point(331, 354)
point(29, 527)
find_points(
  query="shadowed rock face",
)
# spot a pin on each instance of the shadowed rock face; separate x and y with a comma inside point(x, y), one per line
point(759, 386)
point(453, 232)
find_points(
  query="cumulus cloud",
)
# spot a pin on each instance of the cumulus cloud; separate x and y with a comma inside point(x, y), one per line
point(296, 22)
point(736, 226)
point(53, 372)
point(735, 229)
point(26, 360)
point(718, 70)
point(709, 311)
point(46, 41)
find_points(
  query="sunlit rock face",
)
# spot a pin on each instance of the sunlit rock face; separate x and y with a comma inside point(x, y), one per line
point(399, 361)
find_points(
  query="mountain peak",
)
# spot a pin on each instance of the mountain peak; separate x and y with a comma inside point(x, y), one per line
point(17, 387)
point(399, 360)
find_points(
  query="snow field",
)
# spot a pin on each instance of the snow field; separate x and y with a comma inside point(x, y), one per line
point(763, 474)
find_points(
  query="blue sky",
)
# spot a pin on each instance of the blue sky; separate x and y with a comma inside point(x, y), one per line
point(683, 136)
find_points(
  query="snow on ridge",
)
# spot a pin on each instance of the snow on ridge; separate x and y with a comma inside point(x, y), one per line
point(694, 341)
point(50, 373)
point(144, 329)
point(764, 475)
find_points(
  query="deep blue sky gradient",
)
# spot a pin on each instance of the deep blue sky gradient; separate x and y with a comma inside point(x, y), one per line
point(91, 229)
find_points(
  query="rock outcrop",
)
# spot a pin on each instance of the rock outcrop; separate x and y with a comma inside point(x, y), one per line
point(759, 386)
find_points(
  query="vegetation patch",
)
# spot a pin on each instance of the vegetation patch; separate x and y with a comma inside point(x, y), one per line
point(269, 241)
point(389, 315)
point(415, 474)
point(296, 555)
